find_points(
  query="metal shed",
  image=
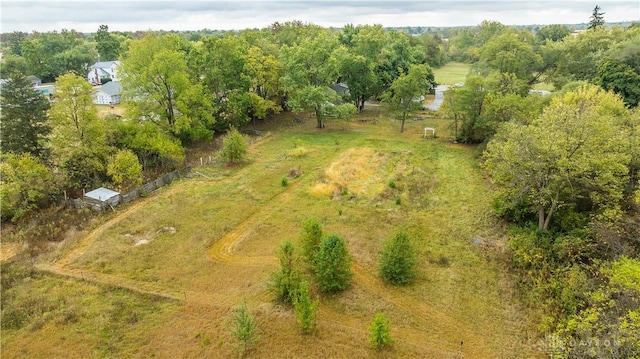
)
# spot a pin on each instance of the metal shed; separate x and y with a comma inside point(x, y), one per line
point(101, 198)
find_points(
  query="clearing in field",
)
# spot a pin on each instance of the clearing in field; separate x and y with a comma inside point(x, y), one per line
point(169, 270)
point(451, 73)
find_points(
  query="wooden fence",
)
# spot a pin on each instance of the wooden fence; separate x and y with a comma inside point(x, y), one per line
point(124, 198)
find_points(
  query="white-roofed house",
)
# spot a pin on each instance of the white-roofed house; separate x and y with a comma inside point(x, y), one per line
point(108, 94)
point(104, 69)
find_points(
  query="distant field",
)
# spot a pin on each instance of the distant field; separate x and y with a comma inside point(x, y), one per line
point(451, 73)
point(544, 86)
point(167, 270)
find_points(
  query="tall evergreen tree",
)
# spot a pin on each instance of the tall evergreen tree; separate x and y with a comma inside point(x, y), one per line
point(24, 126)
point(596, 20)
point(398, 260)
point(332, 265)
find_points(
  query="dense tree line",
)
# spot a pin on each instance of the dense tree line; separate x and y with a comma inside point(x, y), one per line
point(566, 170)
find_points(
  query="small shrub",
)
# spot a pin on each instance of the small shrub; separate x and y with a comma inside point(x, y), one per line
point(380, 330)
point(286, 281)
point(125, 169)
point(398, 260)
point(233, 147)
point(244, 329)
point(310, 239)
point(284, 182)
point(392, 184)
point(398, 201)
point(305, 309)
point(332, 266)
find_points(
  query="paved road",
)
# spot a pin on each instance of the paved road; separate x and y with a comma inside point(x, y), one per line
point(437, 101)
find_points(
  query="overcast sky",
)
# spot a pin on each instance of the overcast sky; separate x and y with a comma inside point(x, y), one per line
point(87, 15)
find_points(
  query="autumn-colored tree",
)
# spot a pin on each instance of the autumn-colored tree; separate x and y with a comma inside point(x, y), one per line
point(574, 151)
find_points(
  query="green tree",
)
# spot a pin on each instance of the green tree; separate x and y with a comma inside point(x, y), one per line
point(464, 105)
point(621, 79)
point(397, 57)
point(84, 168)
point(380, 331)
point(233, 147)
point(286, 281)
point(310, 239)
point(15, 40)
point(612, 310)
point(578, 57)
point(572, 152)
point(361, 62)
point(107, 45)
point(25, 184)
point(125, 169)
point(13, 64)
point(511, 53)
point(461, 46)
point(74, 119)
point(332, 267)
point(52, 54)
point(619, 69)
point(244, 329)
point(24, 124)
point(237, 79)
point(158, 87)
point(406, 91)
point(398, 260)
point(306, 309)
point(309, 68)
point(553, 33)
point(153, 147)
point(597, 18)
point(498, 109)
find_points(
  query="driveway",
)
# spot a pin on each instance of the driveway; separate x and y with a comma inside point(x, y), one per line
point(437, 101)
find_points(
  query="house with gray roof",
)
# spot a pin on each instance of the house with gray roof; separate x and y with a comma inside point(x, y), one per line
point(108, 94)
point(104, 69)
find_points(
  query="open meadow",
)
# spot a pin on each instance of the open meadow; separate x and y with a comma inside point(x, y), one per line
point(451, 73)
point(162, 275)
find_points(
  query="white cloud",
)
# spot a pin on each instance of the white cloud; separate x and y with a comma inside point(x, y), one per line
point(86, 16)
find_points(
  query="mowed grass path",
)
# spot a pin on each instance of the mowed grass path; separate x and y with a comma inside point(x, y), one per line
point(229, 224)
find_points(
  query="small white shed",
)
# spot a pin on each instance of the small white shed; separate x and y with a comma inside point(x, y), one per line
point(102, 197)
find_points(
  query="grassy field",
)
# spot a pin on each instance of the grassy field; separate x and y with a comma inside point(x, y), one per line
point(162, 276)
point(451, 73)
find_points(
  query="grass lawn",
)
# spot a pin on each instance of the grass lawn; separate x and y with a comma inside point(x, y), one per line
point(544, 86)
point(451, 73)
point(188, 254)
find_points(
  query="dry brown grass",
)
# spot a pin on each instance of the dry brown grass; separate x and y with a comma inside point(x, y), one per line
point(9, 249)
point(229, 226)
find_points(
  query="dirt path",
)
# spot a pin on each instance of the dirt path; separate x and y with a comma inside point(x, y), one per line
point(91, 237)
point(223, 250)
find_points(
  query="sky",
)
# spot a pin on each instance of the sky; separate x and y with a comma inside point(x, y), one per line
point(88, 15)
